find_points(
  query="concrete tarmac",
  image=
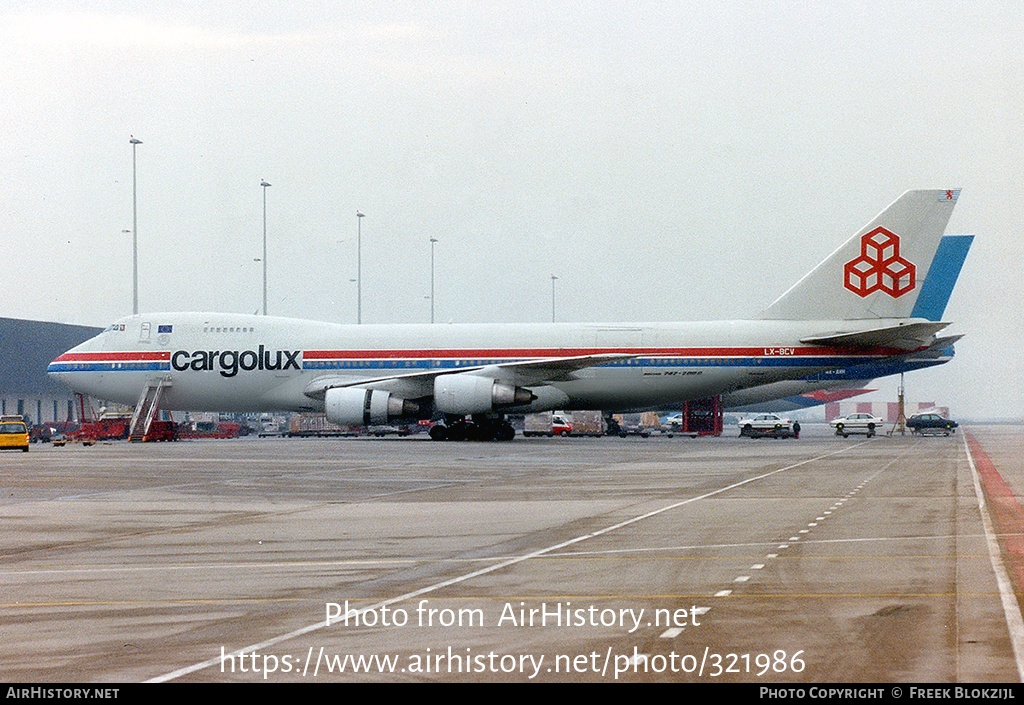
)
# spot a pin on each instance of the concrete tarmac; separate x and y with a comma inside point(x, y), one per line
point(813, 560)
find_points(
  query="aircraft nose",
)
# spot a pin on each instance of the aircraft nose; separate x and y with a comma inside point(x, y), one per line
point(62, 368)
point(58, 369)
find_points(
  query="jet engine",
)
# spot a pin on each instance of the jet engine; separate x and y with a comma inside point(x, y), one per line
point(472, 394)
point(355, 406)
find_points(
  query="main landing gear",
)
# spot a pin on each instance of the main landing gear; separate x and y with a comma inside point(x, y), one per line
point(480, 428)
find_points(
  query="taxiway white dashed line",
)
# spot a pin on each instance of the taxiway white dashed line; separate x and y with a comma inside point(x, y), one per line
point(317, 626)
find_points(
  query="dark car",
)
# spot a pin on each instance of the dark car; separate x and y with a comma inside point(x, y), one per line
point(931, 424)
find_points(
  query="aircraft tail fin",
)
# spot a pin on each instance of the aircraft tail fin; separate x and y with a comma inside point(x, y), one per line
point(879, 272)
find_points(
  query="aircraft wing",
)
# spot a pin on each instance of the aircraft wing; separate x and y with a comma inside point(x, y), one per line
point(519, 373)
point(553, 369)
point(910, 336)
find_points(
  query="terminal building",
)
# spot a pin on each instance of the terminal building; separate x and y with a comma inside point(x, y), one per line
point(26, 348)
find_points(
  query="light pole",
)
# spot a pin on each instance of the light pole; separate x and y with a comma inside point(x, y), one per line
point(433, 241)
point(126, 231)
point(359, 267)
point(135, 232)
point(553, 278)
point(264, 184)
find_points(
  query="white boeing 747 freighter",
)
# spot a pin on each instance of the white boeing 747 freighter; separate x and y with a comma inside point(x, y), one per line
point(854, 307)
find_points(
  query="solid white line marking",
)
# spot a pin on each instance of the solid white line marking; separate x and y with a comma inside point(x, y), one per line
point(671, 633)
point(1014, 621)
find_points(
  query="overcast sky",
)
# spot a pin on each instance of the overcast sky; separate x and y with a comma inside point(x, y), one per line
point(665, 160)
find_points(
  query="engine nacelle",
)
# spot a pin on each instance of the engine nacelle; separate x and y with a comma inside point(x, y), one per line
point(472, 394)
point(355, 406)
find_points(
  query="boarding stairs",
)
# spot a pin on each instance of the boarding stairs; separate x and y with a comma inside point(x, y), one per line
point(146, 409)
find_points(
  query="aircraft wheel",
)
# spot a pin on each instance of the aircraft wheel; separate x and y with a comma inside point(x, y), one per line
point(438, 433)
point(477, 432)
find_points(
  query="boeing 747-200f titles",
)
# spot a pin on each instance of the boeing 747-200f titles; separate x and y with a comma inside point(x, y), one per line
point(853, 308)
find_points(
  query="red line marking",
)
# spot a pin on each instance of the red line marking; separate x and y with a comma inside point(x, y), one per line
point(1007, 513)
point(111, 356)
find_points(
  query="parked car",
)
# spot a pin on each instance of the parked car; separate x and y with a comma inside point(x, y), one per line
point(857, 423)
point(13, 433)
point(673, 421)
point(671, 424)
point(931, 424)
point(768, 425)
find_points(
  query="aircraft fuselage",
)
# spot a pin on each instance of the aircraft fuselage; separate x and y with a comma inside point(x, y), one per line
point(228, 362)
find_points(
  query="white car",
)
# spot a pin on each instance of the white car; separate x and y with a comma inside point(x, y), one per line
point(857, 423)
point(673, 422)
point(767, 425)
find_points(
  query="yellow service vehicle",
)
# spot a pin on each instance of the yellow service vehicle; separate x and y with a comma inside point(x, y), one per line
point(13, 433)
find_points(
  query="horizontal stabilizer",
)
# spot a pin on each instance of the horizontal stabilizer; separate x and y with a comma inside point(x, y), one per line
point(824, 396)
point(941, 345)
point(909, 336)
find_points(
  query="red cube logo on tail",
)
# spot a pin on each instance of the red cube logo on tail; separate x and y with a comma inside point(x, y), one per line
point(880, 266)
